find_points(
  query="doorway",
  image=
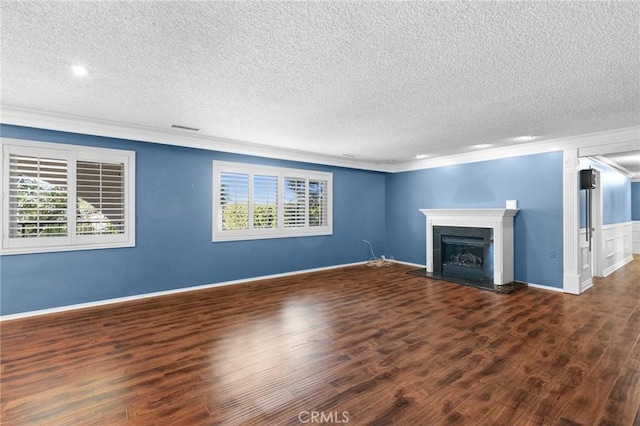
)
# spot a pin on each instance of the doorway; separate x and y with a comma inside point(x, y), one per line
point(610, 243)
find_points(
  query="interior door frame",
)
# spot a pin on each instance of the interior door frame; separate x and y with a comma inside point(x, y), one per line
point(597, 259)
point(583, 146)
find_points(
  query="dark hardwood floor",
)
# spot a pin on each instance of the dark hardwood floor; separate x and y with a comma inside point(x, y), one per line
point(353, 345)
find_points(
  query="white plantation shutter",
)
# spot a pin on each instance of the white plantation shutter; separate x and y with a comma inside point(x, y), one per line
point(100, 198)
point(66, 197)
point(234, 201)
point(253, 202)
point(265, 201)
point(318, 203)
point(295, 203)
point(38, 196)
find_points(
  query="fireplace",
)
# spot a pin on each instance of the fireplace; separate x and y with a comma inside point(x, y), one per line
point(473, 245)
point(463, 253)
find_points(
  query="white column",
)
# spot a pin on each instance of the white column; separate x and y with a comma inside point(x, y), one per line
point(571, 222)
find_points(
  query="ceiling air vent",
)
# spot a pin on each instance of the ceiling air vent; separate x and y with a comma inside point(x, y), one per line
point(191, 129)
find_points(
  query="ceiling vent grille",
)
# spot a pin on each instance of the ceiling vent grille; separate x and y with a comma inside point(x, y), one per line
point(191, 129)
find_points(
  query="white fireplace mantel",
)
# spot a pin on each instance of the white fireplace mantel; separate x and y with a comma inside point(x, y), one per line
point(499, 220)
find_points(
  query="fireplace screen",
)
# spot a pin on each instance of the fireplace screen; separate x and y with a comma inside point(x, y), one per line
point(463, 253)
point(463, 257)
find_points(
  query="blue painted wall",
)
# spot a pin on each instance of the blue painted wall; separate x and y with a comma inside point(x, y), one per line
point(173, 224)
point(635, 200)
point(535, 181)
point(173, 232)
point(616, 194)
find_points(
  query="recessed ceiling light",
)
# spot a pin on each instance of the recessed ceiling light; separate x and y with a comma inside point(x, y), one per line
point(79, 70)
point(482, 145)
point(422, 156)
point(524, 138)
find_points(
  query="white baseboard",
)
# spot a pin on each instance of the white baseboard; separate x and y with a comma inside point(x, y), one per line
point(417, 265)
point(586, 285)
point(163, 293)
point(545, 287)
point(611, 269)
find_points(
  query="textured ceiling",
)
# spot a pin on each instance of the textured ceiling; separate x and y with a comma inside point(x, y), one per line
point(383, 81)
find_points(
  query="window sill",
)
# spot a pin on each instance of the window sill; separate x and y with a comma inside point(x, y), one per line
point(248, 237)
point(54, 249)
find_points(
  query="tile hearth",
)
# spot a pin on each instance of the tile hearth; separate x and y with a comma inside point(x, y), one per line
point(504, 289)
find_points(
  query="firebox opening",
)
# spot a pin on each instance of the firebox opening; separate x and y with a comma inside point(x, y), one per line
point(463, 257)
point(463, 254)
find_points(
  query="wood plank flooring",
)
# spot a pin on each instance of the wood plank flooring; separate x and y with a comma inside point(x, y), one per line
point(354, 345)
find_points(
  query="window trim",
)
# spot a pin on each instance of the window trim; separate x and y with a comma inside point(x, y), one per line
point(219, 235)
point(72, 242)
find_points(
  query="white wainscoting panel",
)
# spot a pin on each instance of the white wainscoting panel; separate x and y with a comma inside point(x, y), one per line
point(618, 247)
point(635, 239)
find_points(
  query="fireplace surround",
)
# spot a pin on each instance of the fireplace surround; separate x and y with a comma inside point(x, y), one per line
point(490, 230)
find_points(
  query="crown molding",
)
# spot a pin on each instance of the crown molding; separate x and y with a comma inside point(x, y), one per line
point(91, 126)
point(614, 146)
point(615, 166)
point(592, 144)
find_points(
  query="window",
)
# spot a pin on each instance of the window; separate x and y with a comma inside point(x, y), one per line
point(252, 202)
point(64, 197)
